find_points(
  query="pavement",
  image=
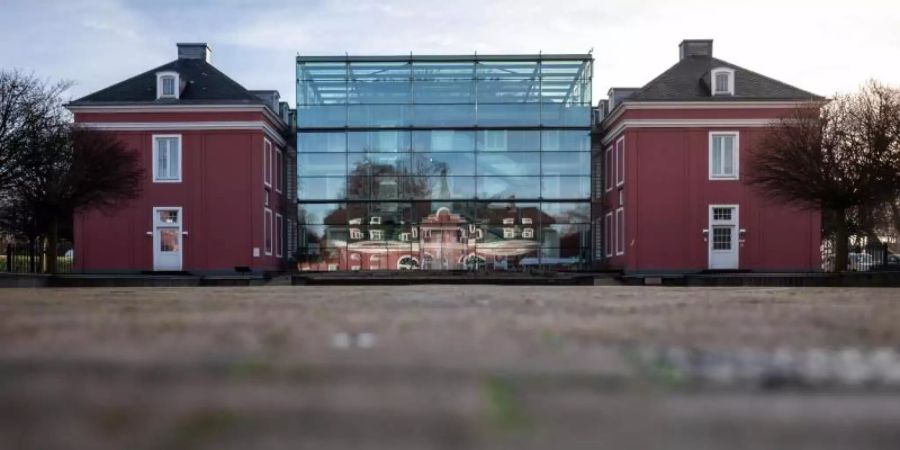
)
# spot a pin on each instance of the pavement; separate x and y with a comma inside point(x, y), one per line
point(449, 367)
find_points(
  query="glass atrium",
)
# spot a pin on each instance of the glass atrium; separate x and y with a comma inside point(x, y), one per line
point(443, 162)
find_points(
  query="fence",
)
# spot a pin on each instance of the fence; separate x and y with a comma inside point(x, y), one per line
point(863, 256)
point(25, 257)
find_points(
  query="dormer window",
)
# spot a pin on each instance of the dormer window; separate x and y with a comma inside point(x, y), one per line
point(722, 81)
point(167, 85)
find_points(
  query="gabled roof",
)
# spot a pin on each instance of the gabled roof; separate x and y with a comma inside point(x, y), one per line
point(204, 84)
point(688, 80)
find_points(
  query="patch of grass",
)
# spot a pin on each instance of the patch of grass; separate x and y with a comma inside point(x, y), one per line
point(505, 410)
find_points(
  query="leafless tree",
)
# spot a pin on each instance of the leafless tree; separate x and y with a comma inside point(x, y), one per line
point(27, 104)
point(69, 169)
point(839, 157)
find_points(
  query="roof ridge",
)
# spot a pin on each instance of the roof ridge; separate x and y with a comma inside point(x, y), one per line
point(766, 77)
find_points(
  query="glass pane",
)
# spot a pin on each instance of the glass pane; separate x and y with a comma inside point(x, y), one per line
point(722, 238)
point(443, 115)
point(508, 187)
point(509, 163)
point(378, 141)
point(378, 92)
point(439, 187)
point(378, 116)
point(555, 114)
point(322, 92)
point(565, 187)
point(443, 141)
point(568, 212)
point(162, 158)
point(508, 90)
point(322, 213)
point(566, 163)
point(322, 116)
point(168, 239)
point(509, 114)
point(168, 216)
point(566, 140)
point(321, 142)
point(508, 140)
point(509, 213)
point(444, 91)
point(321, 164)
point(431, 164)
point(321, 188)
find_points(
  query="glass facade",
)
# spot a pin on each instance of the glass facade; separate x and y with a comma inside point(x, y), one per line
point(443, 163)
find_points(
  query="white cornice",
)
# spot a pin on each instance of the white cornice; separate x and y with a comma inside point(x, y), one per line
point(191, 126)
point(730, 104)
point(685, 123)
point(151, 108)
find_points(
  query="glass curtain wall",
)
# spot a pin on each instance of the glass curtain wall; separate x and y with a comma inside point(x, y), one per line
point(443, 163)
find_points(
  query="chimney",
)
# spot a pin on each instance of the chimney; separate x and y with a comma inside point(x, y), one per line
point(195, 50)
point(695, 47)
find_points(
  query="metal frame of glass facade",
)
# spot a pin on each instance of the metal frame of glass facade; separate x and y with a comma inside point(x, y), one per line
point(443, 162)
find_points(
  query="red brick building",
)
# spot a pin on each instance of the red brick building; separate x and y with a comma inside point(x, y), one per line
point(669, 195)
point(218, 160)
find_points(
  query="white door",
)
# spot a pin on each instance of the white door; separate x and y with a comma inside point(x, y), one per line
point(167, 238)
point(723, 237)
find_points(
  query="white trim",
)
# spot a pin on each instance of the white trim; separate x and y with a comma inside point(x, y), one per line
point(686, 123)
point(278, 176)
point(704, 104)
point(153, 108)
point(729, 91)
point(267, 162)
point(620, 211)
point(609, 181)
point(736, 156)
point(622, 162)
point(155, 243)
point(176, 85)
point(736, 237)
point(279, 230)
point(268, 230)
point(200, 125)
point(610, 232)
point(155, 149)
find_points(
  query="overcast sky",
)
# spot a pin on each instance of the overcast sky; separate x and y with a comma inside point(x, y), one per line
point(822, 46)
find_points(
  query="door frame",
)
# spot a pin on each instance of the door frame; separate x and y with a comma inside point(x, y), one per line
point(735, 222)
point(155, 225)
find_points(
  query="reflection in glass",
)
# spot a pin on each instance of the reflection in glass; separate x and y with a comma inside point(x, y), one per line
point(509, 187)
point(443, 141)
point(565, 187)
point(168, 239)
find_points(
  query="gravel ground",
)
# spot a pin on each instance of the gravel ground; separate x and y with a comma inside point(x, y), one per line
point(448, 367)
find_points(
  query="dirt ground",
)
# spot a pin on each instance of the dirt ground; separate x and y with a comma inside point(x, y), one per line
point(449, 367)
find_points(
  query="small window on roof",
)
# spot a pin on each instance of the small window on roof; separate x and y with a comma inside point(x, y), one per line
point(167, 85)
point(722, 81)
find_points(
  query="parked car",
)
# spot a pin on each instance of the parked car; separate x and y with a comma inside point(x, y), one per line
point(860, 262)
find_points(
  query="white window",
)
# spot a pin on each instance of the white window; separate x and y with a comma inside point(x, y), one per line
point(509, 233)
point(528, 233)
point(375, 220)
point(495, 140)
point(509, 221)
point(267, 232)
point(724, 157)
point(353, 268)
point(620, 231)
point(404, 237)
point(355, 233)
point(167, 85)
point(620, 162)
point(267, 162)
point(722, 79)
point(166, 158)
point(356, 221)
point(376, 235)
point(279, 176)
point(279, 228)
point(608, 229)
point(526, 221)
point(609, 169)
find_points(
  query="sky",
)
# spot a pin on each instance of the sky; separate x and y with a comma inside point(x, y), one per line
point(822, 46)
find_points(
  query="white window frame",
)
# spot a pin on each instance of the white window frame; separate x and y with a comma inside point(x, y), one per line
point(528, 233)
point(736, 156)
point(176, 84)
point(355, 233)
point(279, 229)
point(267, 162)
point(609, 174)
point(268, 224)
point(620, 160)
point(712, 76)
point(279, 167)
point(620, 229)
point(376, 235)
point(155, 157)
point(509, 233)
point(609, 234)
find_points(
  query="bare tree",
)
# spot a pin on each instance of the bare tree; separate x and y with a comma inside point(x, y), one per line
point(838, 157)
point(70, 169)
point(26, 104)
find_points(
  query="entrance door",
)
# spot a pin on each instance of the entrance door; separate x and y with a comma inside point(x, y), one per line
point(167, 237)
point(723, 237)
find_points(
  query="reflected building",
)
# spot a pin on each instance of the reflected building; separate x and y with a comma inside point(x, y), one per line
point(443, 162)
